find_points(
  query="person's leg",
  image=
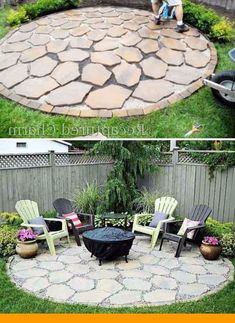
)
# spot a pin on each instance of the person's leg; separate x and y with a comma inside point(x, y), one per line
point(181, 27)
point(155, 8)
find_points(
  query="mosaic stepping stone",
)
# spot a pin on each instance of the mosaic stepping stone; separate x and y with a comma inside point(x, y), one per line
point(173, 44)
point(196, 59)
point(34, 88)
point(153, 90)
point(171, 57)
point(127, 74)
point(96, 35)
point(32, 54)
point(116, 31)
point(107, 44)
point(148, 46)
point(110, 97)
point(18, 37)
point(80, 31)
point(171, 34)
point(8, 60)
point(73, 55)
point(14, 75)
point(154, 67)
point(16, 47)
point(28, 27)
point(42, 66)
point(196, 43)
point(147, 33)
point(60, 34)
point(131, 26)
point(72, 93)
point(182, 75)
point(37, 40)
point(44, 30)
point(108, 58)
point(57, 46)
point(129, 54)
point(130, 39)
point(96, 74)
point(80, 42)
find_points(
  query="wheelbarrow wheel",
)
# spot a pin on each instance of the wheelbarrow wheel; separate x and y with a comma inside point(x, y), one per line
point(226, 79)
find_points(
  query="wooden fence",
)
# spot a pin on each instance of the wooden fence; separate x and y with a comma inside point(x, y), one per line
point(187, 179)
point(45, 177)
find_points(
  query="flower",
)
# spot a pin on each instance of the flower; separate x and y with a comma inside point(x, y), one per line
point(213, 241)
point(26, 235)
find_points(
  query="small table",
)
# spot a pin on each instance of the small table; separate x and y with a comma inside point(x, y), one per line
point(114, 216)
point(108, 243)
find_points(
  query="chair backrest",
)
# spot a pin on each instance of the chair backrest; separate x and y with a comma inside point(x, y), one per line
point(166, 204)
point(27, 210)
point(200, 213)
point(63, 206)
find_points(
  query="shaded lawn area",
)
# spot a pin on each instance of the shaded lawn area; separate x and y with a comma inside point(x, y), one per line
point(13, 300)
point(174, 121)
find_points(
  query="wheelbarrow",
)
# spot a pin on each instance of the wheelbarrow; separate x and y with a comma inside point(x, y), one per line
point(223, 84)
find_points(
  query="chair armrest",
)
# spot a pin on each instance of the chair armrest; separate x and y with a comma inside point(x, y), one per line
point(200, 226)
point(90, 216)
point(54, 219)
point(63, 221)
point(170, 222)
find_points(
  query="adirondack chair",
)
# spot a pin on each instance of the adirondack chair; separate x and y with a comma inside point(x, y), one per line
point(28, 210)
point(163, 204)
point(198, 213)
point(64, 206)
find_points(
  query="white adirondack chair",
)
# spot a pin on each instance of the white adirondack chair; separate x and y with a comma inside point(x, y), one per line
point(28, 210)
point(163, 204)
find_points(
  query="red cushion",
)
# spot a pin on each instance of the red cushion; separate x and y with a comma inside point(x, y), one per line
point(74, 217)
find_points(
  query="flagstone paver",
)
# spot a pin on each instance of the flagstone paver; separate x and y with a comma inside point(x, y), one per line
point(149, 277)
point(96, 74)
point(54, 51)
point(66, 72)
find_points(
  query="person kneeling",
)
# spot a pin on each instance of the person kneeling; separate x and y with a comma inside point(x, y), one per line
point(181, 27)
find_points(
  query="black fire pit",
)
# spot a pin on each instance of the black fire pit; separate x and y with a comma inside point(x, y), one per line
point(108, 243)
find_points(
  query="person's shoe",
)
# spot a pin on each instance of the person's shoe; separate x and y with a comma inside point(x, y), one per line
point(157, 21)
point(181, 28)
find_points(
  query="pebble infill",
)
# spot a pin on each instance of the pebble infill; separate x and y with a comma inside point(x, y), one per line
point(102, 63)
point(149, 278)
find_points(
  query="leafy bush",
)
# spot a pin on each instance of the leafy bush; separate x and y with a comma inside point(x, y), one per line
point(88, 200)
point(145, 202)
point(145, 219)
point(11, 218)
point(114, 222)
point(7, 240)
point(49, 214)
point(30, 11)
point(207, 20)
point(228, 244)
point(217, 229)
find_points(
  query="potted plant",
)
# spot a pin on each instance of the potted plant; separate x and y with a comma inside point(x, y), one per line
point(27, 246)
point(210, 248)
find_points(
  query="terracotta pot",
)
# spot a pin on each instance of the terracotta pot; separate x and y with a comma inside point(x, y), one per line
point(210, 252)
point(27, 249)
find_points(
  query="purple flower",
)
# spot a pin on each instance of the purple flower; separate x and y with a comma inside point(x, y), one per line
point(26, 235)
point(213, 241)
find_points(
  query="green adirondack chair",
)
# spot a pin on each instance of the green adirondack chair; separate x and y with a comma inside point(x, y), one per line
point(28, 210)
point(163, 204)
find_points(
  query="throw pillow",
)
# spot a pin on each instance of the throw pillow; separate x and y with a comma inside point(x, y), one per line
point(41, 221)
point(74, 217)
point(158, 216)
point(187, 223)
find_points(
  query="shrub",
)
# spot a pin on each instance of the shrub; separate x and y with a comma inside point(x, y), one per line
point(145, 202)
point(8, 240)
point(49, 214)
point(228, 244)
point(145, 219)
point(30, 11)
point(216, 27)
point(217, 229)
point(11, 218)
point(88, 200)
point(114, 222)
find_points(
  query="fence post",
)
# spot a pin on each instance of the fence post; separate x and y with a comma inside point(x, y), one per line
point(52, 166)
point(175, 155)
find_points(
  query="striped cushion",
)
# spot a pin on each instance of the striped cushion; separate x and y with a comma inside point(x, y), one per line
point(74, 217)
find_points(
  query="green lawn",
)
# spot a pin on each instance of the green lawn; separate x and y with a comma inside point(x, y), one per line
point(13, 300)
point(174, 121)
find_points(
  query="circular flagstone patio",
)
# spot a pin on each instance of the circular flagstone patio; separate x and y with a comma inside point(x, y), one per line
point(149, 278)
point(104, 62)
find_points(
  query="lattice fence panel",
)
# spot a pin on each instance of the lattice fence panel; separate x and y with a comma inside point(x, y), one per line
point(80, 159)
point(165, 158)
point(24, 161)
point(186, 157)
